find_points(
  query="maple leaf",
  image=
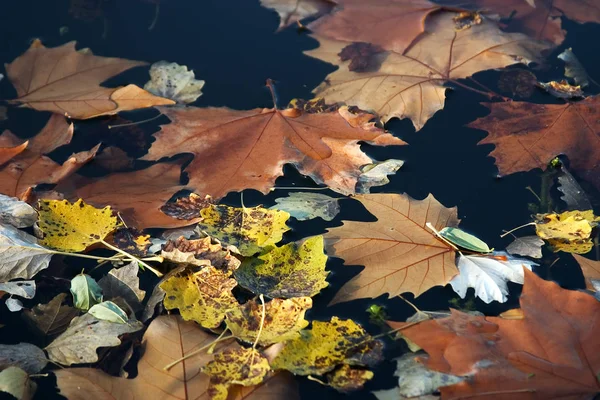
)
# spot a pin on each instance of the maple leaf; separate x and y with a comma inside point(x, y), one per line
point(413, 85)
point(292, 11)
point(552, 352)
point(529, 136)
point(399, 252)
point(23, 164)
point(66, 81)
point(236, 150)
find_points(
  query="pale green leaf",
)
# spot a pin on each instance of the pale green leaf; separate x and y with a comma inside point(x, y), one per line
point(109, 311)
point(86, 292)
point(464, 240)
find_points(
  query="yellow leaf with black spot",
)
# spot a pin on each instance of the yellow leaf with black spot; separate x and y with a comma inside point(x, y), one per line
point(73, 227)
point(292, 270)
point(245, 367)
point(347, 379)
point(246, 230)
point(282, 320)
point(566, 226)
point(575, 246)
point(132, 241)
point(204, 296)
point(327, 345)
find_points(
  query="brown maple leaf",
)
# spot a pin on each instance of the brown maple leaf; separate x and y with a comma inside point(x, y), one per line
point(25, 165)
point(292, 11)
point(236, 150)
point(529, 136)
point(67, 81)
point(552, 352)
point(413, 85)
point(399, 252)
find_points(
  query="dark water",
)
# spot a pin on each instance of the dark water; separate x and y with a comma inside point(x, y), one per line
point(232, 45)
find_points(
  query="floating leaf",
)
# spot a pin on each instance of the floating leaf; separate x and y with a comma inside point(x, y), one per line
point(590, 269)
point(25, 289)
point(16, 212)
point(573, 195)
point(292, 11)
point(347, 379)
point(74, 227)
point(573, 68)
point(132, 241)
point(16, 382)
point(562, 89)
point(187, 208)
point(517, 82)
point(85, 334)
point(464, 240)
point(376, 174)
point(304, 206)
point(246, 367)
point(292, 270)
point(20, 255)
point(174, 81)
point(109, 311)
point(124, 283)
point(246, 230)
point(51, 318)
point(86, 292)
point(26, 356)
point(529, 246)
point(13, 305)
point(568, 231)
point(283, 319)
point(199, 252)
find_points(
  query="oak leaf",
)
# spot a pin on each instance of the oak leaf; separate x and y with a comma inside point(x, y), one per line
point(552, 352)
point(67, 81)
point(292, 11)
point(399, 252)
point(413, 85)
point(236, 150)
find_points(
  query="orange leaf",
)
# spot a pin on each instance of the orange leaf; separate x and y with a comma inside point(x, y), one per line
point(590, 269)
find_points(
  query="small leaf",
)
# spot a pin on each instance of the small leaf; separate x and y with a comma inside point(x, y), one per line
point(86, 292)
point(13, 305)
point(26, 356)
point(304, 206)
point(16, 382)
point(199, 252)
point(464, 240)
point(187, 208)
point(16, 212)
point(573, 195)
point(376, 174)
point(573, 68)
point(51, 318)
point(25, 289)
point(109, 311)
point(20, 255)
point(347, 379)
point(529, 246)
point(174, 81)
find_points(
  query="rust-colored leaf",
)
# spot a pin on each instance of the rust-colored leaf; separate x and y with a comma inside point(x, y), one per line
point(590, 269)
point(187, 208)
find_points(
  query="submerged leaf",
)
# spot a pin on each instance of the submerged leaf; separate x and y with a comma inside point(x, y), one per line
point(86, 292)
point(572, 193)
point(26, 356)
point(573, 68)
point(304, 206)
point(20, 255)
point(16, 212)
point(174, 82)
point(529, 246)
point(51, 318)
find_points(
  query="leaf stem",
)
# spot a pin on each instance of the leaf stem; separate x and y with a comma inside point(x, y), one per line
point(262, 320)
point(133, 258)
point(193, 353)
point(517, 228)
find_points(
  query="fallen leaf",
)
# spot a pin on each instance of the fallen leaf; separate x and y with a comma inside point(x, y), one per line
point(187, 208)
point(529, 246)
point(376, 174)
point(236, 150)
point(174, 81)
point(304, 206)
point(551, 353)
point(241, 366)
point(16, 382)
point(572, 193)
point(113, 159)
point(16, 212)
point(573, 68)
point(13, 305)
point(413, 85)
point(73, 227)
point(108, 311)
point(85, 334)
point(123, 283)
point(562, 89)
point(25, 289)
point(347, 379)
point(328, 344)
point(132, 241)
point(67, 81)
point(528, 135)
point(590, 269)
point(199, 252)
point(204, 296)
point(517, 82)
point(26, 356)
point(51, 318)
point(245, 230)
point(292, 270)
point(23, 164)
point(568, 231)
point(292, 11)
point(464, 240)
point(282, 320)
point(86, 292)
point(399, 252)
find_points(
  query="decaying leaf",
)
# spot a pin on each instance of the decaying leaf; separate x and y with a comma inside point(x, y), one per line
point(347, 379)
point(123, 283)
point(199, 252)
point(204, 296)
point(73, 227)
point(86, 292)
point(235, 150)
point(517, 82)
point(245, 230)
point(283, 319)
point(399, 252)
point(67, 81)
point(590, 269)
point(51, 318)
point(26, 356)
point(20, 254)
point(304, 206)
point(16, 212)
point(529, 246)
point(568, 231)
point(132, 241)
point(376, 174)
point(24, 289)
point(241, 366)
point(15, 381)
point(573, 68)
point(413, 84)
point(174, 81)
point(187, 208)
point(109, 311)
point(85, 334)
point(292, 11)
point(292, 270)
point(328, 344)
point(562, 89)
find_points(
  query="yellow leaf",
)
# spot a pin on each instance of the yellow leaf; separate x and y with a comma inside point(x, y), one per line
point(569, 226)
point(582, 246)
point(73, 227)
point(204, 296)
point(245, 367)
point(292, 270)
point(347, 379)
point(283, 319)
point(327, 345)
point(247, 230)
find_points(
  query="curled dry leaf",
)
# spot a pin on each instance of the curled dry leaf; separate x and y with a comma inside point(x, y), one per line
point(20, 254)
point(292, 11)
point(562, 89)
point(236, 150)
point(52, 318)
point(16, 212)
point(26, 356)
point(67, 81)
point(199, 252)
point(174, 82)
point(399, 252)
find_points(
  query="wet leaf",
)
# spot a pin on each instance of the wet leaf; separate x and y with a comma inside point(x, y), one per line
point(464, 240)
point(132, 241)
point(568, 231)
point(246, 367)
point(573, 68)
point(16, 382)
point(292, 11)
point(204, 296)
point(292, 270)
point(25, 289)
point(124, 283)
point(109, 311)
point(26, 356)
point(246, 230)
point(572, 193)
point(13, 305)
point(562, 89)
point(199, 252)
point(20, 254)
point(529, 246)
point(174, 81)
point(399, 252)
point(51, 318)
point(347, 379)
point(16, 212)
point(85, 334)
point(187, 208)
point(304, 206)
point(517, 82)
point(86, 292)
point(73, 227)
point(590, 269)
point(283, 320)
point(376, 174)
point(67, 81)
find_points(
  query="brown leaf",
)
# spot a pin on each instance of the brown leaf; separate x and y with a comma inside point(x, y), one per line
point(67, 81)
point(399, 252)
point(413, 85)
point(113, 159)
point(187, 208)
point(590, 269)
point(51, 318)
point(236, 150)
point(132, 241)
point(25, 164)
point(553, 352)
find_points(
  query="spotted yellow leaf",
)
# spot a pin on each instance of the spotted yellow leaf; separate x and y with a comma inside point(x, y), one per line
point(347, 379)
point(568, 231)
